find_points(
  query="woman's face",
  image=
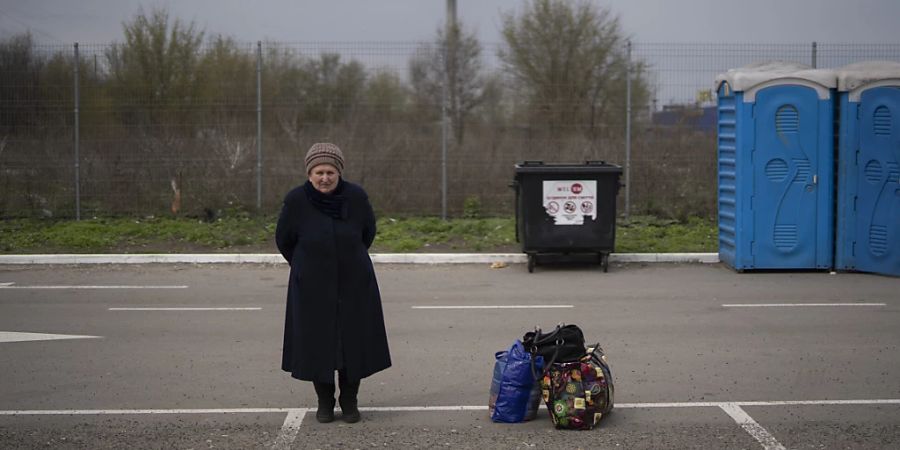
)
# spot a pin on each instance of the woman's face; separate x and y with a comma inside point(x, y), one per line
point(324, 178)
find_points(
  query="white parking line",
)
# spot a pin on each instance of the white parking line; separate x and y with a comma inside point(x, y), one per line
point(115, 412)
point(292, 422)
point(255, 308)
point(423, 408)
point(750, 426)
point(887, 401)
point(669, 405)
point(77, 286)
point(776, 305)
point(881, 401)
point(289, 429)
point(51, 412)
point(18, 336)
point(493, 307)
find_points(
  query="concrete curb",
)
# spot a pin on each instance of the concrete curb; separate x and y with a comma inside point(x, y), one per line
point(378, 258)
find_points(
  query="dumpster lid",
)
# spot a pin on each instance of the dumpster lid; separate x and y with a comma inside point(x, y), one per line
point(753, 77)
point(582, 167)
point(858, 77)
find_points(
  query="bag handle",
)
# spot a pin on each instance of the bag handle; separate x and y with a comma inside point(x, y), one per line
point(532, 349)
point(549, 337)
point(542, 340)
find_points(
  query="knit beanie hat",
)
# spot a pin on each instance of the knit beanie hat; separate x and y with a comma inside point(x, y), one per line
point(324, 153)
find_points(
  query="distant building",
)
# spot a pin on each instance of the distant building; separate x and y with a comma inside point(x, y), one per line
point(697, 118)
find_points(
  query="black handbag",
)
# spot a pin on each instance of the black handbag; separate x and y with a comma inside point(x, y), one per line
point(564, 344)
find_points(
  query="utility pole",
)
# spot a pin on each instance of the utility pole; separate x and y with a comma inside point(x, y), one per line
point(451, 13)
point(453, 34)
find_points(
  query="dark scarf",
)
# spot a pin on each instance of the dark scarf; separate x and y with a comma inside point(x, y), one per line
point(331, 204)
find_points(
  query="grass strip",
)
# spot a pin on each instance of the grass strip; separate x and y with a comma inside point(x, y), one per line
point(254, 234)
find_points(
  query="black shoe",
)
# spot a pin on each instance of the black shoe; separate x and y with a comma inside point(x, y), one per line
point(347, 399)
point(350, 413)
point(325, 396)
point(325, 413)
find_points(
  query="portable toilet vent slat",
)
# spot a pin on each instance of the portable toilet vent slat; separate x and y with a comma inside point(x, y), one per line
point(868, 216)
point(775, 164)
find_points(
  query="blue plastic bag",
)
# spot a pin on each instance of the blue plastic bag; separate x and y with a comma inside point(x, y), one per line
point(512, 396)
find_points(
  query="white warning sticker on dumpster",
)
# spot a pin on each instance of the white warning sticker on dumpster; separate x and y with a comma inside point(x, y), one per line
point(568, 201)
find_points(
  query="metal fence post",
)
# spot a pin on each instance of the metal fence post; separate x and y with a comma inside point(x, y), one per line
point(628, 131)
point(77, 158)
point(444, 137)
point(814, 55)
point(258, 125)
point(449, 65)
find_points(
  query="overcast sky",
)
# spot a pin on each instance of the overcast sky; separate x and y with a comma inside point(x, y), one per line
point(758, 21)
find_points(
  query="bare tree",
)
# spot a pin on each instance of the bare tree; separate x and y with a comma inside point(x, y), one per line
point(568, 57)
point(313, 92)
point(229, 74)
point(455, 60)
point(154, 72)
point(20, 68)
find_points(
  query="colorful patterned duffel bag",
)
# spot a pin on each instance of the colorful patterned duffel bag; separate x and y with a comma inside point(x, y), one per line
point(578, 394)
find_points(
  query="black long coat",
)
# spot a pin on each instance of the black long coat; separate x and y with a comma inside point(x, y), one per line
point(334, 318)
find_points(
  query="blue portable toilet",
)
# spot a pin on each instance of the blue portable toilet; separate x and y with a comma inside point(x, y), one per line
point(868, 215)
point(775, 166)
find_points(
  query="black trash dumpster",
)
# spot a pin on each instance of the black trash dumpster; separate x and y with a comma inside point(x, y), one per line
point(566, 209)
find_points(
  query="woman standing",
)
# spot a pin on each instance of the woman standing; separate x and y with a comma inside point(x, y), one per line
point(334, 320)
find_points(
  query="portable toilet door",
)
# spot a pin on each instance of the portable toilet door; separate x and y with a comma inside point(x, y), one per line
point(868, 221)
point(783, 158)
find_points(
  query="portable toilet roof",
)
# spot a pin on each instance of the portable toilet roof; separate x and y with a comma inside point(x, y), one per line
point(858, 77)
point(753, 77)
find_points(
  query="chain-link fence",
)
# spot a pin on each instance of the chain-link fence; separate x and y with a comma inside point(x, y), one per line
point(107, 129)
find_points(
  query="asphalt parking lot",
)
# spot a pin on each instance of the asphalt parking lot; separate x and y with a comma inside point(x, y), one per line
point(187, 356)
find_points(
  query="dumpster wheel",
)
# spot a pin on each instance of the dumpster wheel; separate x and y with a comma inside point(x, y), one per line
point(531, 258)
point(604, 261)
